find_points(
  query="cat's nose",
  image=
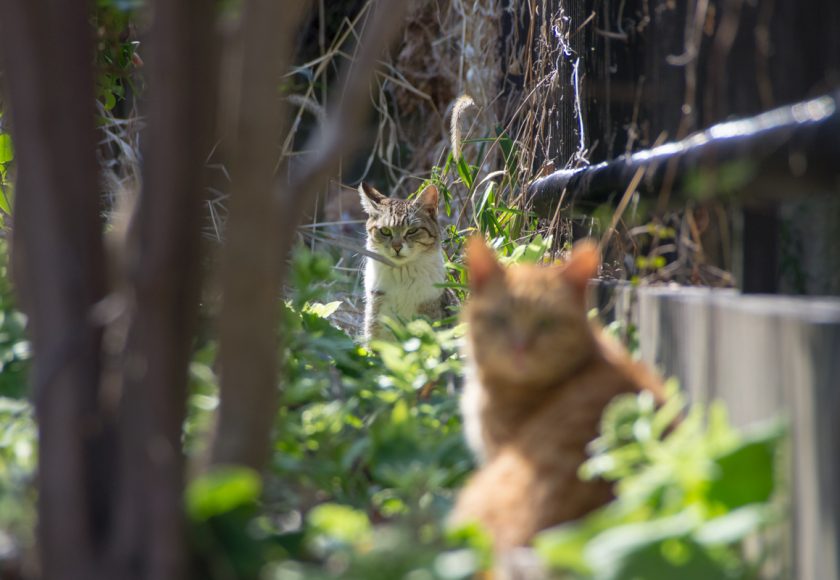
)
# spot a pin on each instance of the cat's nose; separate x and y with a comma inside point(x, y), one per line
point(519, 343)
point(397, 246)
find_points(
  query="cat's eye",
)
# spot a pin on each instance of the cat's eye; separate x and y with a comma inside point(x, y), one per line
point(497, 318)
point(412, 231)
point(385, 232)
point(546, 324)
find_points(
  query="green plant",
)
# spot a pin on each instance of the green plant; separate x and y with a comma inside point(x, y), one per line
point(686, 498)
point(485, 205)
point(7, 156)
point(375, 432)
point(14, 345)
point(18, 457)
point(368, 455)
point(368, 452)
point(116, 54)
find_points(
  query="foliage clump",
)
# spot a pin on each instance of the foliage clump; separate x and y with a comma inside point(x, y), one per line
point(369, 454)
point(690, 490)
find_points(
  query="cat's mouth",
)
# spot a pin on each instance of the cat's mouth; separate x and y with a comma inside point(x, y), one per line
point(401, 257)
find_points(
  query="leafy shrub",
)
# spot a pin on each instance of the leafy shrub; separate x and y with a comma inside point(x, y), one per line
point(14, 346)
point(368, 452)
point(18, 457)
point(369, 455)
point(686, 500)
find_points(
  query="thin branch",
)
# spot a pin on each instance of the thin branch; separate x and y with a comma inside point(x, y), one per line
point(354, 248)
point(346, 117)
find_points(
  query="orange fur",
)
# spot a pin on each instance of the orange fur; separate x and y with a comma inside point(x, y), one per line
point(542, 375)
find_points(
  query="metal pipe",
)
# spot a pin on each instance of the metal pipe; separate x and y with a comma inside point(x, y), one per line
point(800, 141)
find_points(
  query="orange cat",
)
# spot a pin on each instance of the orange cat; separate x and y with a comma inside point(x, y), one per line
point(540, 376)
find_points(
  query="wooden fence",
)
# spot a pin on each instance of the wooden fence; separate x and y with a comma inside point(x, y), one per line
point(765, 357)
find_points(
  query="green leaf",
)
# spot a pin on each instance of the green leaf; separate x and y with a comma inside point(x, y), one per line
point(322, 310)
point(400, 415)
point(668, 414)
point(651, 550)
point(669, 558)
point(222, 490)
point(464, 170)
point(736, 525)
point(340, 522)
point(7, 152)
point(618, 541)
point(562, 547)
point(746, 474)
point(110, 100)
point(488, 200)
point(473, 536)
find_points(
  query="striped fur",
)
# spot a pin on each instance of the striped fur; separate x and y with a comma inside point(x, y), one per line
point(407, 233)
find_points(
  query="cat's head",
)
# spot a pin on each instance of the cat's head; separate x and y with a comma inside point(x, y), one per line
point(528, 324)
point(398, 229)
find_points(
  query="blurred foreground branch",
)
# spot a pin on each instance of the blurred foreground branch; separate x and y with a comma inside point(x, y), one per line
point(252, 259)
point(59, 271)
point(163, 262)
point(263, 228)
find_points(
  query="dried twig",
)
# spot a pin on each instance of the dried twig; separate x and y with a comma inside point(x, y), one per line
point(298, 185)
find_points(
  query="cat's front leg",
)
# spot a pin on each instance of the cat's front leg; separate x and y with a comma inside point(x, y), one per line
point(432, 309)
point(374, 329)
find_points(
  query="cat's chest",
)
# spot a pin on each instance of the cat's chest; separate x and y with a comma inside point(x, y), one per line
point(401, 291)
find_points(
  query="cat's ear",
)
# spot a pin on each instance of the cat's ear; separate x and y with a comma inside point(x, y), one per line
point(583, 264)
point(428, 199)
point(371, 199)
point(482, 265)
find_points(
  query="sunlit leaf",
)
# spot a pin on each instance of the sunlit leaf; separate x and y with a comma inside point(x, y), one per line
point(340, 522)
point(323, 310)
point(222, 490)
point(736, 525)
point(7, 152)
point(747, 473)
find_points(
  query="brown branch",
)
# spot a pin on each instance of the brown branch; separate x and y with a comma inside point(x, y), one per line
point(252, 259)
point(59, 269)
point(249, 381)
point(163, 272)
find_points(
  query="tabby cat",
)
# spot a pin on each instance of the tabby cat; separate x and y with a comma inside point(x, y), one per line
point(540, 375)
point(408, 235)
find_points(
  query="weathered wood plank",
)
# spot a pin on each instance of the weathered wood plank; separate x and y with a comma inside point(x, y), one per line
point(811, 373)
point(765, 357)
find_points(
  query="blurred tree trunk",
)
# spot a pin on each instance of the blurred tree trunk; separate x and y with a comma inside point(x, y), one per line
point(252, 256)
point(266, 211)
point(59, 270)
point(163, 261)
point(110, 412)
point(100, 517)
